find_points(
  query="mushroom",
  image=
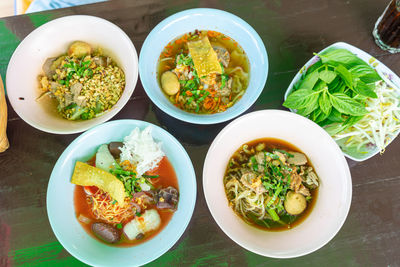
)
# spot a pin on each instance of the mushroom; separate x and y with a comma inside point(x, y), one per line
point(295, 203)
point(170, 83)
point(79, 49)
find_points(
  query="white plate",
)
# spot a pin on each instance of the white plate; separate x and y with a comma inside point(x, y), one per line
point(388, 75)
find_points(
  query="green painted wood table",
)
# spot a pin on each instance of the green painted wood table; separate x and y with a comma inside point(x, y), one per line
point(291, 31)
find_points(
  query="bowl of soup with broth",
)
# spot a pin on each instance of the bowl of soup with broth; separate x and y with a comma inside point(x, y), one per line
point(277, 184)
point(203, 66)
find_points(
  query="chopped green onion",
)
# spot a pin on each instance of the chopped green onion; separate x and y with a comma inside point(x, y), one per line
point(150, 176)
point(273, 214)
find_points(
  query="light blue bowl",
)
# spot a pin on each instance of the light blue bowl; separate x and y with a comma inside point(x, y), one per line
point(203, 19)
point(60, 196)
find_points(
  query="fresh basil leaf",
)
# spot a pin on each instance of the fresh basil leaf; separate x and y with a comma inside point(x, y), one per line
point(335, 116)
point(319, 86)
point(366, 73)
point(314, 66)
point(301, 111)
point(312, 104)
point(324, 103)
point(325, 122)
point(296, 86)
point(345, 104)
point(351, 120)
point(314, 115)
point(300, 98)
point(337, 82)
point(309, 80)
point(342, 88)
point(327, 75)
point(318, 116)
point(345, 75)
point(363, 89)
point(341, 56)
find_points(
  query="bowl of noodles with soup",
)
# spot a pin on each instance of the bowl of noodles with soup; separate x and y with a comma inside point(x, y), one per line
point(128, 195)
point(277, 184)
point(203, 66)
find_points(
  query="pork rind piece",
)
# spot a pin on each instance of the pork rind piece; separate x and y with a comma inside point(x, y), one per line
point(204, 57)
point(86, 175)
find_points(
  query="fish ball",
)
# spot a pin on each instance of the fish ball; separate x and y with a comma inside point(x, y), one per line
point(79, 49)
point(295, 203)
point(169, 83)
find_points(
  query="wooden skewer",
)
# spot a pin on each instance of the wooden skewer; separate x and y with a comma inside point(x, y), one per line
point(3, 119)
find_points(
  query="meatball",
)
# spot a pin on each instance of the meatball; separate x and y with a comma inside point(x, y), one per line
point(295, 203)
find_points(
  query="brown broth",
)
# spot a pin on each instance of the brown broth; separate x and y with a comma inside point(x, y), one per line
point(167, 177)
point(274, 143)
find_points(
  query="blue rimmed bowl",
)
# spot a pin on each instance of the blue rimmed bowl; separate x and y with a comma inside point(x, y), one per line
point(60, 198)
point(203, 19)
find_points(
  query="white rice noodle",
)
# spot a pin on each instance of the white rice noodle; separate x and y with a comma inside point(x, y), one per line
point(141, 150)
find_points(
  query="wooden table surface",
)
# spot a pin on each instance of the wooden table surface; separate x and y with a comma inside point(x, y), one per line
point(291, 31)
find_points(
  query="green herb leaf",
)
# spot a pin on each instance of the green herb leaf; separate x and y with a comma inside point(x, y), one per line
point(309, 80)
point(363, 89)
point(351, 121)
point(336, 56)
point(324, 103)
point(366, 73)
point(301, 99)
point(345, 104)
point(345, 74)
point(150, 176)
point(335, 116)
point(273, 214)
point(327, 75)
point(313, 67)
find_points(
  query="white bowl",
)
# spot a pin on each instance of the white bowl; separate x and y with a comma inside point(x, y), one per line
point(50, 40)
point(60, 198)
point(203, 19)
point(386, 74)
point(334, 197)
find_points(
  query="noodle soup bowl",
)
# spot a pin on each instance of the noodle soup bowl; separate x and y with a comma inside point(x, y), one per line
point(52, 39)
point(203, 19)
point(332, 203)
point(60, 198)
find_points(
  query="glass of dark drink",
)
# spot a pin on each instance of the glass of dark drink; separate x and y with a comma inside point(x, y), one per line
point(387, 28)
